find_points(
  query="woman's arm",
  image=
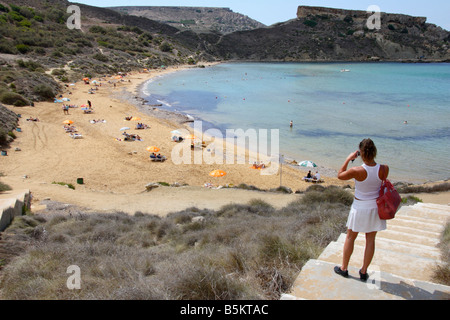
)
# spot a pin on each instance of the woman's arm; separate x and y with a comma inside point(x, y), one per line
point(351, 173)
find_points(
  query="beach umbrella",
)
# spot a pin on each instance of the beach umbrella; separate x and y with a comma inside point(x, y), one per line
point(85, 79)
point(308, 164)
point(68, 122)
point(124, 128)
point(135, 119)
point(217, 173)
point(191, 136)
point(95, 82)
point(153, 149)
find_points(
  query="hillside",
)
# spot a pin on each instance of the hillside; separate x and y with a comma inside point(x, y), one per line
point(39, 54)
point(324, 34)
point(197, 19)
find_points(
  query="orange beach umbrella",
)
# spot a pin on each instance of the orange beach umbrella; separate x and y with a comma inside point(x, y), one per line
point(217, 173)
point(153, 149)
point(68, 122)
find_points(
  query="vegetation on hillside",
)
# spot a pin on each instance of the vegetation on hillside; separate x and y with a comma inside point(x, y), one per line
point(38, 51)
point(248, 251)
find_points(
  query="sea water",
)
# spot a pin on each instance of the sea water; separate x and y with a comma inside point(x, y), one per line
point(404, 108)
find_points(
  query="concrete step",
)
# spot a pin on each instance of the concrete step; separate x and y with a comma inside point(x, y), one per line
point(429, 211)
point(417, 223)
point(318, 281)
point(397, 246)
point(407, 237)
point(405, 265)
point(415, 231)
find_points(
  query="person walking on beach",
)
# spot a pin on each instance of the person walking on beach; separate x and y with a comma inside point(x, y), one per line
point(363, 216)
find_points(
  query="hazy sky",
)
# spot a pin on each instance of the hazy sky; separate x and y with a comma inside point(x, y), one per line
point(273, 11)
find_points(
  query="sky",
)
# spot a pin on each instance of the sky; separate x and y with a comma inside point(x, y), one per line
point(273, 11)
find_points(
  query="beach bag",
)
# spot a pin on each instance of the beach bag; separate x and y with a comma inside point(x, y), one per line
point(389, 201)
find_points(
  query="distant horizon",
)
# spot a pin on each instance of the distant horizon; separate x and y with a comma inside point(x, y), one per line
point(269, 12)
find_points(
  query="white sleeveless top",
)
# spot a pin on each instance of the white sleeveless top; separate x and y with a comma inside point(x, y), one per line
point(368, 189)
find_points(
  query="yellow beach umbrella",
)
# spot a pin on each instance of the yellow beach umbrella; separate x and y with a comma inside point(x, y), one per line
point(153, 149)
point(217, 173)
point(135, 119)
point(68, 122)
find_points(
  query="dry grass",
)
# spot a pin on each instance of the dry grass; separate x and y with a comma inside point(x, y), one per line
point(442, 270)
point(248, 251)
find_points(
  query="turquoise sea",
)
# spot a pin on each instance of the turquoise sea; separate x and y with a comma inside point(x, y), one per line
point(332, 110)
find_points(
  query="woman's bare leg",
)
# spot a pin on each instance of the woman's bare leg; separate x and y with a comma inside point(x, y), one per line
point(369, 251)
point(348, 248)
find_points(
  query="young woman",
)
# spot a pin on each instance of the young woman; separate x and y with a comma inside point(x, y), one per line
point(363, 215)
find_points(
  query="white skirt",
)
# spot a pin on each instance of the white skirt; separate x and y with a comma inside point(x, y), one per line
point(364, 217)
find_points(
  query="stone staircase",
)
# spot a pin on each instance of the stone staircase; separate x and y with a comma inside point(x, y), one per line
point(405, 256)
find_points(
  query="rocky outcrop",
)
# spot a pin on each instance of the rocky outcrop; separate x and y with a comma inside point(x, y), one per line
point(197, 19)
point(326, 34)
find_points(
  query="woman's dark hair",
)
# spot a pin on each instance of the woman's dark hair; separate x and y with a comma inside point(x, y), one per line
point(368, 149)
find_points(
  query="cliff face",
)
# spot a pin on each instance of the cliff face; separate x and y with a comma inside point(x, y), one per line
point(197, 19)
point(305, 12)
point(325, 34)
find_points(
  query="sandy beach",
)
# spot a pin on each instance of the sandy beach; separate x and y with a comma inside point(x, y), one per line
point(115, 172)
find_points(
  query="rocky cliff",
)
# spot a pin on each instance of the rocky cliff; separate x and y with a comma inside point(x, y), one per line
point(326, 34)
point(197, 19)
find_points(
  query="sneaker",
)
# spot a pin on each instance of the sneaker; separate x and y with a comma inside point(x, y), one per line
point(363, 276)
point(339, 271)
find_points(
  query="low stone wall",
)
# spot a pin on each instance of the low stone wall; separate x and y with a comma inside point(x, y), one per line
point(12, 205)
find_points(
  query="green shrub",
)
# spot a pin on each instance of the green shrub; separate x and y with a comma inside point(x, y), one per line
point(100, 57)
point(310, 23)
point(4, 187)
point(23, 48)
point(44, 92)
point(331, 194)
point(3, 8)
point(25, 23)
point(58, 72)
point(97, 29)
point(165, 47)
point(3, 136)
point(13, 99)
point(69, 185)
point(7, 48)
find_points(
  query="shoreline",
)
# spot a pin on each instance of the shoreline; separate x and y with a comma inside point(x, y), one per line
point(115, 172)
point(183, 119)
